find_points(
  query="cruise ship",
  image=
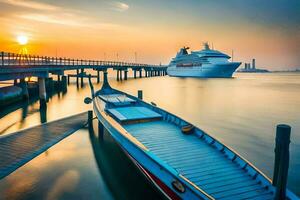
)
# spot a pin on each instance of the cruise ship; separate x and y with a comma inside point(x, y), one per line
point(206, 63)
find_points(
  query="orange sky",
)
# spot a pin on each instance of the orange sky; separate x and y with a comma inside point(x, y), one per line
point(155, 31)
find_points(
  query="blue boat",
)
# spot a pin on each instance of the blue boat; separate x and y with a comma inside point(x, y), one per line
point(181, 160)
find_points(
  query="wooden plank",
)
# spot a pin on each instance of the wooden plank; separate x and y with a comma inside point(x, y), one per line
point(20, 147)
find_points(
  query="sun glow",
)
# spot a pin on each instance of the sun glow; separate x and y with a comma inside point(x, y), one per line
point(22, 39)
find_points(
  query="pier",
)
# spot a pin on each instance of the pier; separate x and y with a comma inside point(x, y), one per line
point(17, 67)
point(20, 147)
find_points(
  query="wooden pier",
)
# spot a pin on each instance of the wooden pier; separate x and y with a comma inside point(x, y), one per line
point(16, 67)
point(20, 147)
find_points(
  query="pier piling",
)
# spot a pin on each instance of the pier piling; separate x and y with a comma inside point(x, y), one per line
point(90, 119)
point(42, 92)
point(50, 85)
point(140, 94)
point(98, 76)
point(118, 71)
point(64, 82)
point(282, 156)
point(81, 76)
point(77, 72)
point(23, 85)
point(125, 74)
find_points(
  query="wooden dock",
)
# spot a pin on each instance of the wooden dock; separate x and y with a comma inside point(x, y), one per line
point(20, 147)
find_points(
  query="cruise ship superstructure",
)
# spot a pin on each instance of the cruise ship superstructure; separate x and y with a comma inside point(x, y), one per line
point(206, 63)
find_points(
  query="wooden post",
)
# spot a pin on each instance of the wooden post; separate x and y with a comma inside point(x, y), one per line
point(140, 71)
point(81, 78)
point(121, 75)
point(50, 85)
point(23, 85)
point(2, 58)
point(90, 119)
point(282, 156)
point(140, 94)
point(125, 74)
point(98, 76)
point(42, 92)
point(118, 75)
point(77, 73)
point(134, 73)
point(64, 83)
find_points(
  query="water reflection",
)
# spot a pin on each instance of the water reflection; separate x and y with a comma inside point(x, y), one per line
point(121, 175)
point(241, 112)
point(43, 114)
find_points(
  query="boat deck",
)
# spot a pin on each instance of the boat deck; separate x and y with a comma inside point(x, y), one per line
point(201, 163)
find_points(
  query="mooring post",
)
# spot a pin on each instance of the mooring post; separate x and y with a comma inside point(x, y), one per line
point(98, 76)
point(140, 94)
point(42, 92)
point(64, 83)
point(125, 74)
point(23, 85)
point(282, 156)
point(118, 75)
point(81, 76)
point(90, 119)
point(77, 72)
point(50, 85)
point(2, 58)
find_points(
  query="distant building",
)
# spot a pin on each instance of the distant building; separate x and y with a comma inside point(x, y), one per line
point(249, 68)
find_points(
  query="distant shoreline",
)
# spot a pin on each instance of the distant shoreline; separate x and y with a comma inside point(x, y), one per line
point(267, 71)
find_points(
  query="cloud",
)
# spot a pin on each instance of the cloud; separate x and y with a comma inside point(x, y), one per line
point(68, 19)
point(31, 4)
point(119, 6)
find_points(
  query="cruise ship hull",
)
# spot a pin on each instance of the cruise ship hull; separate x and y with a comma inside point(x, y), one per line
point(205, 71)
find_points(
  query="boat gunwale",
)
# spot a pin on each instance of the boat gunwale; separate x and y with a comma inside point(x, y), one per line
point(206, 134)
point(152, 156)
point(248, 163)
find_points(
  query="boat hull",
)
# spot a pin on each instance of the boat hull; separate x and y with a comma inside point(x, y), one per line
point(164, 176)
point(205, 71)
point(147, 161)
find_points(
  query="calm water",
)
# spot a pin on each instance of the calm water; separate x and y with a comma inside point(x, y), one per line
point(241, 112)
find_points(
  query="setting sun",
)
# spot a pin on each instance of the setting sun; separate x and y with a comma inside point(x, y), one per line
point(22, 39)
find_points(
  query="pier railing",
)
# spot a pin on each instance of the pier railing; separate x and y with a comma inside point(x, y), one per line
point(20, 60)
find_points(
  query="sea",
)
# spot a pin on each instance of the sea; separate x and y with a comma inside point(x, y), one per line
point(242, 112)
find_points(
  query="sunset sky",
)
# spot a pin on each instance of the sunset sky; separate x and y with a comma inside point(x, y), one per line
point(100, 29)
